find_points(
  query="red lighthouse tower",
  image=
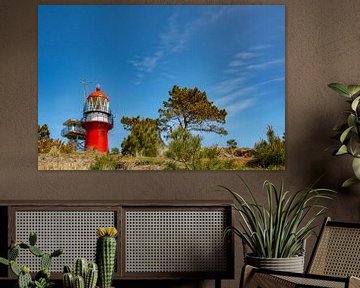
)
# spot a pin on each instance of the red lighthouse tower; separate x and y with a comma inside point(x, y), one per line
point(97, 121)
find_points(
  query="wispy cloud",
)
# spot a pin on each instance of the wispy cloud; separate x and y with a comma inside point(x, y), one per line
point(229, 85)
point(235, 95)
point(260, 47)
point(240, 105)
point(266, 64)
point(237, 63)
point(173, 40)
point(234, 102)
point(248, 58)
point(246, 55)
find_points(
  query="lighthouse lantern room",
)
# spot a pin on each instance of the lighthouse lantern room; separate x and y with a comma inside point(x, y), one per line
point(97, 121)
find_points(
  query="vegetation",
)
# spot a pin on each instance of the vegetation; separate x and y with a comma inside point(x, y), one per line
point(349, 132)
point(104, 162)
point(115, 150)
point(190, 109)
point(186, 113)
point(42, 278)
point(271, 153)
point(231, 143)
point(48, 145)
point(279, 229)
point(43, 132)
point(144, 138)
point(84, 273)
point(106, 254)
point(184, 148)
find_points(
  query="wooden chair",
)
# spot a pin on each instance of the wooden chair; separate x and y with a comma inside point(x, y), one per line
point(335, 262)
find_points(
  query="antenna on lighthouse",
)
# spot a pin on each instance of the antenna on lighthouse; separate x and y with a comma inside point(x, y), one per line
point(86, 84)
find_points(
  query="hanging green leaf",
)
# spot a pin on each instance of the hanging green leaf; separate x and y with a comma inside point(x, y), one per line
point(340, 88)
point(353, 89)
point(4, 261)
point(351, 120)
point(355, 103)
point(356, 167)
point(349, 182)
point(342, 150)
point(345, 134)
point(348, 133)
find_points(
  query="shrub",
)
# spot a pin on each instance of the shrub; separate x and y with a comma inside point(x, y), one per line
point(270, 153)
point(104, 162)
point(186, 151)
point(143, 140)
point(184, 148)
point(115, 150)
point(43, 132)
point(57, 146)
point(231, 143)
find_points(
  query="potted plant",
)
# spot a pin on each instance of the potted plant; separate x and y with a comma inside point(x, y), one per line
point(276, 233)
point(349, 132)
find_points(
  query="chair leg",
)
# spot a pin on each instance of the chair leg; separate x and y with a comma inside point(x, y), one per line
point(217, 283)
point(246, 273)
point(250, 278)
point(354, 282)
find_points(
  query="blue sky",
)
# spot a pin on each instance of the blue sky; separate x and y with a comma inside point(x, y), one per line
point(236, 53)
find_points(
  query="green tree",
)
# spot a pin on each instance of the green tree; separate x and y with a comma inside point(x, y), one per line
point(43, 132)
point(270, 153)
point(115, 150)
point(184, 148)
point(231, 143)
point(144, 138)
point(190, 109)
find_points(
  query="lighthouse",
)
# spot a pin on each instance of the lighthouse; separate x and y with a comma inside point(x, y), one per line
point(97, 121)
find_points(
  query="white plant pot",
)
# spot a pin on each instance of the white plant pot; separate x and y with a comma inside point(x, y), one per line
point(291, 264)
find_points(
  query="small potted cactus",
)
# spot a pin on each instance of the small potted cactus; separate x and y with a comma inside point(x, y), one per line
point(85, 275)
point(106, 254)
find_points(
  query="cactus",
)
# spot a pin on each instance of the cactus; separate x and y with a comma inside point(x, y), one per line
point(24, 245)
point(24, 278)
point(79, 282)
point(80, 268)
point(4, 261)
point(14, 268)
point(36, 251)
point(44, 273)
point(45, 261)
point(57, 252)
point(13, 253)
point(32, 238)
point(91, 276)
point(68, 280)
point(105, 254)
point(88, 273)
point(67, 269)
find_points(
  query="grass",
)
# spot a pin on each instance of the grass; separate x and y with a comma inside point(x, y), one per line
point(92, 160)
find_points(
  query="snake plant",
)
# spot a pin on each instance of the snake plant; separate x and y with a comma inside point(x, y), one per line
point(279, 228)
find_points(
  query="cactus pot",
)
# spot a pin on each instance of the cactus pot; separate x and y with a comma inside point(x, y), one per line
point(291, 264)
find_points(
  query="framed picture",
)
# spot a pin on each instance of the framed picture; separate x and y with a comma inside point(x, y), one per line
point(161, 87)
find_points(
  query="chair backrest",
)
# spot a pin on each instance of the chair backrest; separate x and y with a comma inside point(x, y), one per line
point(337, 251)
